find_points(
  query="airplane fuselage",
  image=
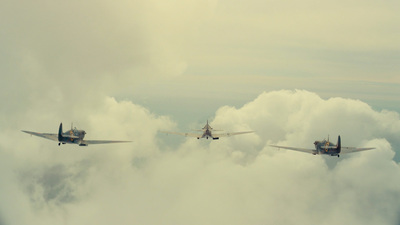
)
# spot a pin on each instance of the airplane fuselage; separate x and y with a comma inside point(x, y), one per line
point(326, 148)
point(73, 136)
point(207, 132)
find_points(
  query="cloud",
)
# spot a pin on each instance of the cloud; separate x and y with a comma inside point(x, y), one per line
point(297, 116)
point(236, 180)
point(72, 53)
point(94, 37)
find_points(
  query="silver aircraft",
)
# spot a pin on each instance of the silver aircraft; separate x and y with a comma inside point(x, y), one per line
point(326, 148)
point(73, 136)
point(207, 132)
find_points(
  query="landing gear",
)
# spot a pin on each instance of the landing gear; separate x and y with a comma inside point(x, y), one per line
point(59, 144)
point(338, 156)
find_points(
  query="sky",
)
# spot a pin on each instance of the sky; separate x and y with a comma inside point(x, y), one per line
point(294, 72)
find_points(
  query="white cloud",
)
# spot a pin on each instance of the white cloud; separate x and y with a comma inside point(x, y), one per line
point(237, 180)
point(295, 116)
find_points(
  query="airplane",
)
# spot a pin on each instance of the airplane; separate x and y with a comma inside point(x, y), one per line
point(73, 136)
point(326, 148)
point(207, 132)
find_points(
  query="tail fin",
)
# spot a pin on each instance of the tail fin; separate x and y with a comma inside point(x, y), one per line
point(60, 131)
point(339, 144)
point(206, 126)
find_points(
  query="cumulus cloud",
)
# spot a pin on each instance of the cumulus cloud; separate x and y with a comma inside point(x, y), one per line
point(236, 180)
point(294, 117)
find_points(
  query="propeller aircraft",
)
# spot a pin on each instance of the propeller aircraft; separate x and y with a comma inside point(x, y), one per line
point(73, 136)
point(207, 132)
point(326, 147)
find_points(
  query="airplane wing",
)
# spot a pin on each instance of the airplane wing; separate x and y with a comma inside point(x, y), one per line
point(352, 149)
point(93, 142)
point(53, 137)
point(197, 135)
point(306, 150)
point(230, 134)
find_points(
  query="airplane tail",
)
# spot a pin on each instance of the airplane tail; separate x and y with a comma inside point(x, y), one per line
point(60, 131)
point(339, 145)
point(207, 126)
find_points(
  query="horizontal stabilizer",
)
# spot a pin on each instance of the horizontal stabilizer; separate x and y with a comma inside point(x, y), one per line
point(70, 136)
point(328, 147)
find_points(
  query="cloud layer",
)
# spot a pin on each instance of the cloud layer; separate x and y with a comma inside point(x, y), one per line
point(237, 180)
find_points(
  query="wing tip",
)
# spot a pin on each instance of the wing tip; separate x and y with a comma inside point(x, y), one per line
point(28, 132)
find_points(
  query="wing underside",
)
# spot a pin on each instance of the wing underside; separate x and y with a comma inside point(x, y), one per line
point(93, 142)
point(53, 137)
point(230, 134)
point(352, 149)
point(197, 135)
point(306, 150)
